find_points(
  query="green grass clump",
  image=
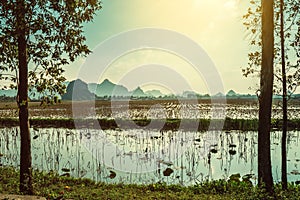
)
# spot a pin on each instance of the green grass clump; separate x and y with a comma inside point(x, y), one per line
point(53, 186)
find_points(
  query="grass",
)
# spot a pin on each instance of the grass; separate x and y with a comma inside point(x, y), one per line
point(53, 186)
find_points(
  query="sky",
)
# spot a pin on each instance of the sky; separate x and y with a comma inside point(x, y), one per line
point(215, 26)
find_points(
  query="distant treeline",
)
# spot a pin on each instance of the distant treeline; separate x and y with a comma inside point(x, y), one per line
point(5, 98)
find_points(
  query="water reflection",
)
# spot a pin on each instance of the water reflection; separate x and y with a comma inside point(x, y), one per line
point(143, 156)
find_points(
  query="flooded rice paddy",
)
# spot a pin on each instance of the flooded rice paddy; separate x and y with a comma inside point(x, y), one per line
point(151, 110)
point(148, 156)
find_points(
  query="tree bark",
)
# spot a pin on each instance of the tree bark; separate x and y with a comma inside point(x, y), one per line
point(265, 178)
point(284, 103)
point(25, 153)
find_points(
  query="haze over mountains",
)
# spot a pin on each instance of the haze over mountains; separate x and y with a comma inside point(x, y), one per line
point(108, 89)
point(105, 89)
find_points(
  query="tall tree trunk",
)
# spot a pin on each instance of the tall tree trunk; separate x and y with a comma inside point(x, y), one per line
point(284, 103)
point(265, 101)
point(25, 154)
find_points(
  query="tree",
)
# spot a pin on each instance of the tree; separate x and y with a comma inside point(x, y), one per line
point(265, 99)
point(286, 48)
point(39, 37)
point(252, 22)
point(284, 101)
point(291, 9)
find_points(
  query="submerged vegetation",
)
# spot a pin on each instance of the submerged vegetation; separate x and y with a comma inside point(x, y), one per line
point(169, 124)
point(138, 156)
point(53, 186)
point(195, 177)
point(240, 115)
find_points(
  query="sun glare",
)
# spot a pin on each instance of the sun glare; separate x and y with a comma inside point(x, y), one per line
point(231, 4)
point(197, 3)
point(227, 4)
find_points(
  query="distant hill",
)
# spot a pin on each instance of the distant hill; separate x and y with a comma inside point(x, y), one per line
point(231, 93)
point(33, 94)
point(107, 88)
point(8, 93)
point(82, 91)
point(138, 92)
point(219, 94)
point(13, 93)
point(189, 94)
point(296, 96)
point(154, 93)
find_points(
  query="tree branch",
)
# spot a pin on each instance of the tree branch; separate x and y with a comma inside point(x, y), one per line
point(292, 23)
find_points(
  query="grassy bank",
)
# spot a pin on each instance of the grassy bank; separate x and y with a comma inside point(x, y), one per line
point(53, 186)
point(169, 124)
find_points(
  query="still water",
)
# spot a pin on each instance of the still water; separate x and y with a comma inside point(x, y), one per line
point(148, 156)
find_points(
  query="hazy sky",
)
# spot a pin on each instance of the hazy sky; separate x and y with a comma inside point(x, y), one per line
point(215, 25)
